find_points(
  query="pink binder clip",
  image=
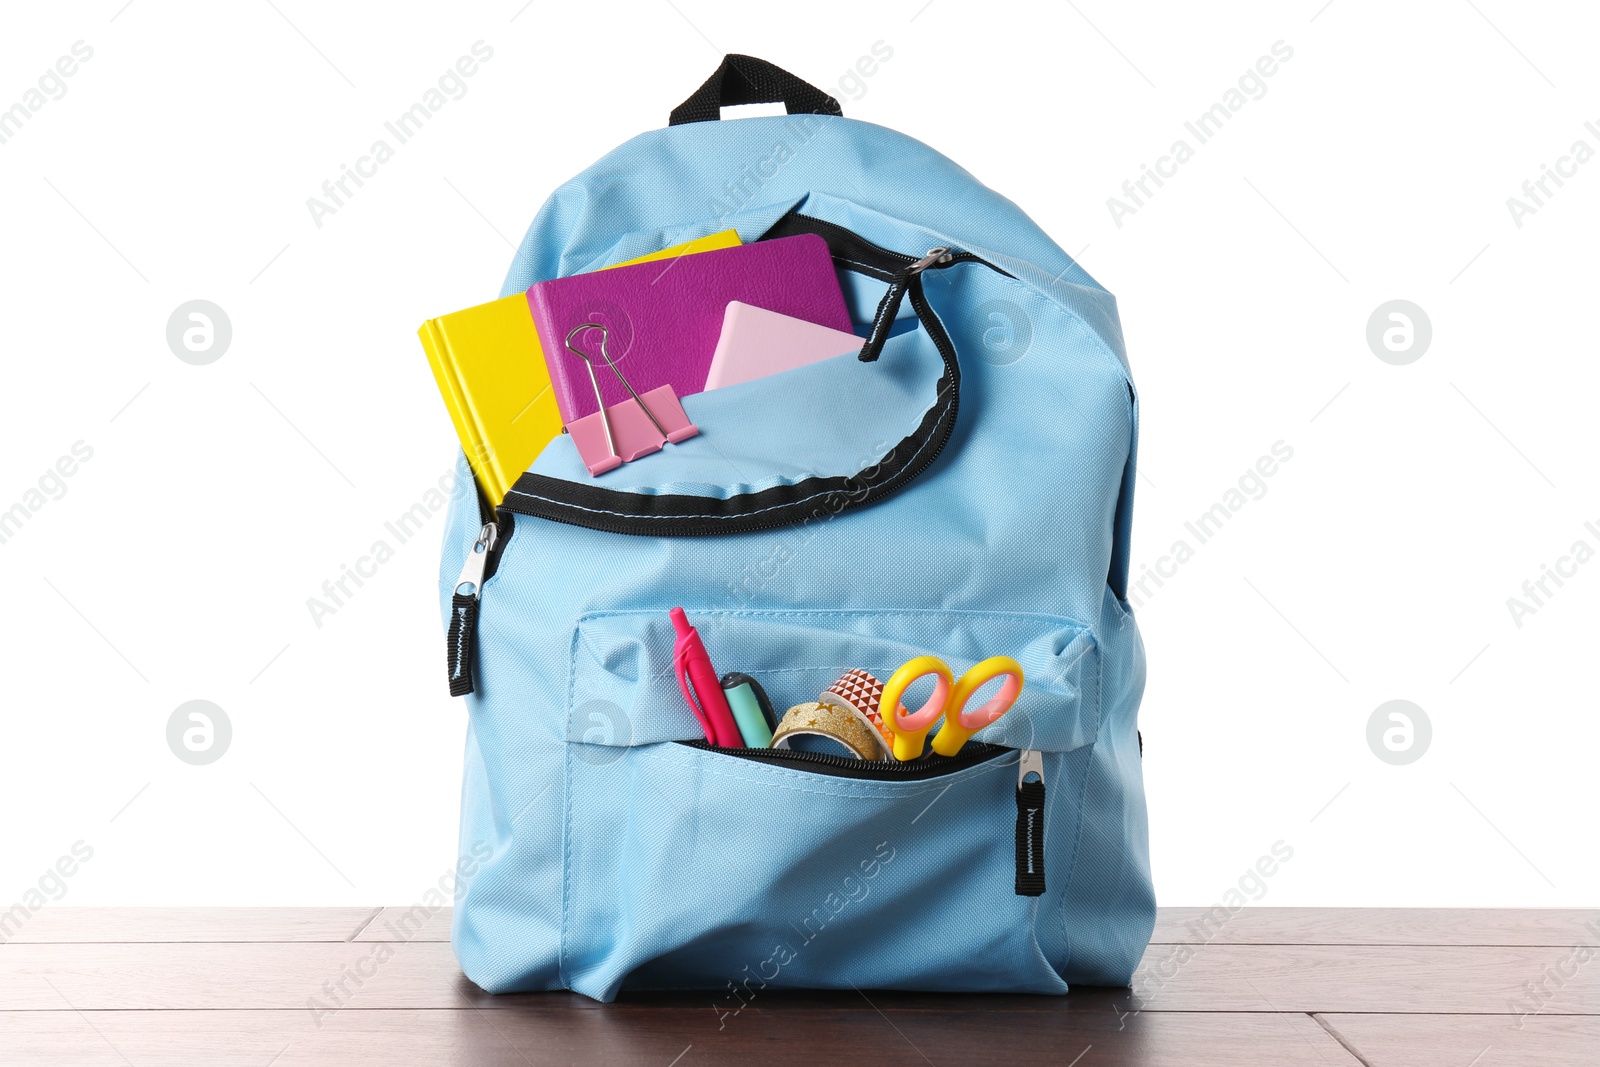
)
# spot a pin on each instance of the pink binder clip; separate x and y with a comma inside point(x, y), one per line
point(624, 432)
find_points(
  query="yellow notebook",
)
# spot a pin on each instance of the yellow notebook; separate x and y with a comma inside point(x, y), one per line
point(491, 373)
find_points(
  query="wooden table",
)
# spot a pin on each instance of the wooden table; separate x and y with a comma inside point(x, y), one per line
point(1277, 986)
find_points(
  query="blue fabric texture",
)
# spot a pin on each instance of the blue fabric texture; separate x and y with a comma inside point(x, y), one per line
point(620, 859)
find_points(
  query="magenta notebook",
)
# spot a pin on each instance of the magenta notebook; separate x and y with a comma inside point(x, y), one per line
point(662, 319)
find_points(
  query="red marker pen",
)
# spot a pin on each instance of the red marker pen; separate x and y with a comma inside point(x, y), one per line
point(698, 678)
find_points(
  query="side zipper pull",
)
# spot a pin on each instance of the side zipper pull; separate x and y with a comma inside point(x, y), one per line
point(463, 626)
point(1030, 824)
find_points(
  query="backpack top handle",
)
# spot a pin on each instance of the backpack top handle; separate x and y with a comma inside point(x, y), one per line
point(748, 80)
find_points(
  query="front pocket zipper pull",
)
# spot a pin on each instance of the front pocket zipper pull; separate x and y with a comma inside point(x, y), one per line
point(464, 612)
point(1030, 824)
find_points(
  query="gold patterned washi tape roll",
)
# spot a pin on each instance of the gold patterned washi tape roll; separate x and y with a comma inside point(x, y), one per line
point(844, 726)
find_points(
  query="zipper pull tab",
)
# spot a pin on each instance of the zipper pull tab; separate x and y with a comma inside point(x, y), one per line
point(935, 257)
point(464, 612)
point(889, 306)
point(472, 571)
point(1030, 824)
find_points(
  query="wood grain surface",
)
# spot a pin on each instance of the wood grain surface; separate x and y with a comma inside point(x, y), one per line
point(285, 986)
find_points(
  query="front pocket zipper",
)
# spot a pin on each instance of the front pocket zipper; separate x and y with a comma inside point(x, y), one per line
point(971, 755)
point(1030, 787)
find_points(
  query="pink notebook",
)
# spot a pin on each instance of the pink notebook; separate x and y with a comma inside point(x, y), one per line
point(756, 342)
point(662, 320)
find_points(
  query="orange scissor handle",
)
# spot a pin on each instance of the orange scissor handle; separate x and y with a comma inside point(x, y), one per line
point(959, 723)
point(911, 728)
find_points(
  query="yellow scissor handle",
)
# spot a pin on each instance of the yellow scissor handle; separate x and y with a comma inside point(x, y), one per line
point(960, 724)
point(911, 728)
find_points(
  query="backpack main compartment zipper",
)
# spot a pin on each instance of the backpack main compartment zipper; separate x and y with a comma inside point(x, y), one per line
point(686, 515)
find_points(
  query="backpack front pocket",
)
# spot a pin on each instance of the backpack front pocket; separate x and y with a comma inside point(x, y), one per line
point(738, 870)
point(699, 869)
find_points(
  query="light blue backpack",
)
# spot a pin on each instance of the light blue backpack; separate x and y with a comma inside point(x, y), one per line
point(963, 489)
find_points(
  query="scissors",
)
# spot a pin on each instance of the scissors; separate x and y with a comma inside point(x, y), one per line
point(949, 700)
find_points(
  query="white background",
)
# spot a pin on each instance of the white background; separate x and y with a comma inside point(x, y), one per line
point(219, 498)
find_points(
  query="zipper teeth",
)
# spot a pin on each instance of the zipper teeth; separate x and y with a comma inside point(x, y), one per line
point(506, 523)
point(973, 754)
point(858, 246)
point(941, 341)
point(861, 247)
point(851, 237)
point(910, 474)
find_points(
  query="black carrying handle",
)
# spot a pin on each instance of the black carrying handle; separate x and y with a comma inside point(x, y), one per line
point(748, 80)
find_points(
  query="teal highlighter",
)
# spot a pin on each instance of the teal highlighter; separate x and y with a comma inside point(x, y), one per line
point(752, 711)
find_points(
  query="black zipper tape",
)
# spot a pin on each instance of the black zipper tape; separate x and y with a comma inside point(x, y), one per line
point(971, 754)
point(849, 249)
point(507, 523)
point(687, 515)
point(853, 252)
